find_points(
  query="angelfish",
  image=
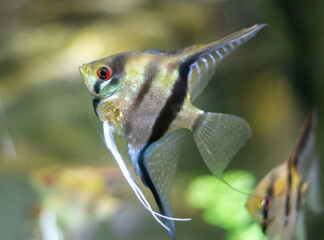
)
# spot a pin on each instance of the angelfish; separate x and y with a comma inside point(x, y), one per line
point(146, 96)
point(277, 201)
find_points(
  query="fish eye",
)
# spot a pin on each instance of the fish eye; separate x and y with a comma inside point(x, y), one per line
point(104, 73)
point(266, 202)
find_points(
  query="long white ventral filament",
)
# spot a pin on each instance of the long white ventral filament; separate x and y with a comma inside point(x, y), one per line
point(110, 143)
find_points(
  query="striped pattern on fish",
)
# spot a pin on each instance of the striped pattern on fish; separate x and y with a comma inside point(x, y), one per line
point(277, 201)
point(146, 97)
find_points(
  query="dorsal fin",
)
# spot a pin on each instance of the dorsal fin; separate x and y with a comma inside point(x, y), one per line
point(179, 52)
point(202, 60)
point(305, 145)
point(158, 51)
point(232, 41)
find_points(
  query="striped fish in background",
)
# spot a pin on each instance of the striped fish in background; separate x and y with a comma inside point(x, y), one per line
point(146, 98)
point(277, 201)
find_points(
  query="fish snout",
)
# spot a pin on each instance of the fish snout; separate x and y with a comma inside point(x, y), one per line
point(89, 81)
point(84, 70)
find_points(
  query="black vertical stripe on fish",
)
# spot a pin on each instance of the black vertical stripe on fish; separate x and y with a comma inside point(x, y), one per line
point(95, 102)
point(118, 63)
point(265, 209)
point(139, 159)
point(146, 179)
point(306, 133)
point(150, 73)
point(287, 200)
point(168, 113)
point(174, 103)
point(170, 110)
point(302, 144)
point(96, 87)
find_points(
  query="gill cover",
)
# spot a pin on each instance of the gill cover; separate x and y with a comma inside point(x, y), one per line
point(108, 87)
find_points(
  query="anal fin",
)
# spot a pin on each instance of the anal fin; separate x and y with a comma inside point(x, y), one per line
point(156, 164)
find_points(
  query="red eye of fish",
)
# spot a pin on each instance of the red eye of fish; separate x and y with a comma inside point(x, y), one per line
point(104, 73)
point(266, 202)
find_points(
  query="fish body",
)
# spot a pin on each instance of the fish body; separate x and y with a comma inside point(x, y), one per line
point(146, 97)
point(146, 84)
point(277, 201)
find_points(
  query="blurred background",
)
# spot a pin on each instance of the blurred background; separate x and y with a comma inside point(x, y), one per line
point(58, 181)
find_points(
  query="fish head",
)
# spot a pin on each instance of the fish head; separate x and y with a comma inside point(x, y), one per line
point(258, 201)
point(103, 77)
point(115, 83)
point(267, 202)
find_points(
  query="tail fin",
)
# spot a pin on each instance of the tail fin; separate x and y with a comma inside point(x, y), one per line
point(219, 137)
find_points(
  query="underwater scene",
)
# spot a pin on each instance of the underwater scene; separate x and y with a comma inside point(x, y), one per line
point(151, 119)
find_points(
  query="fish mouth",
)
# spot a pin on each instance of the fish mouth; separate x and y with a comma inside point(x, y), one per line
point(89, 81)
point(84, 71)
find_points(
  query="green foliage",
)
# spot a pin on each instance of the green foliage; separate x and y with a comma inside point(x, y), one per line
point(224, 206)
point(251, 232)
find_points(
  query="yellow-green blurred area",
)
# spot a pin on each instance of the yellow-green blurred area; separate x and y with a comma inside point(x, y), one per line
point(218, 202)
point(57, 179)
